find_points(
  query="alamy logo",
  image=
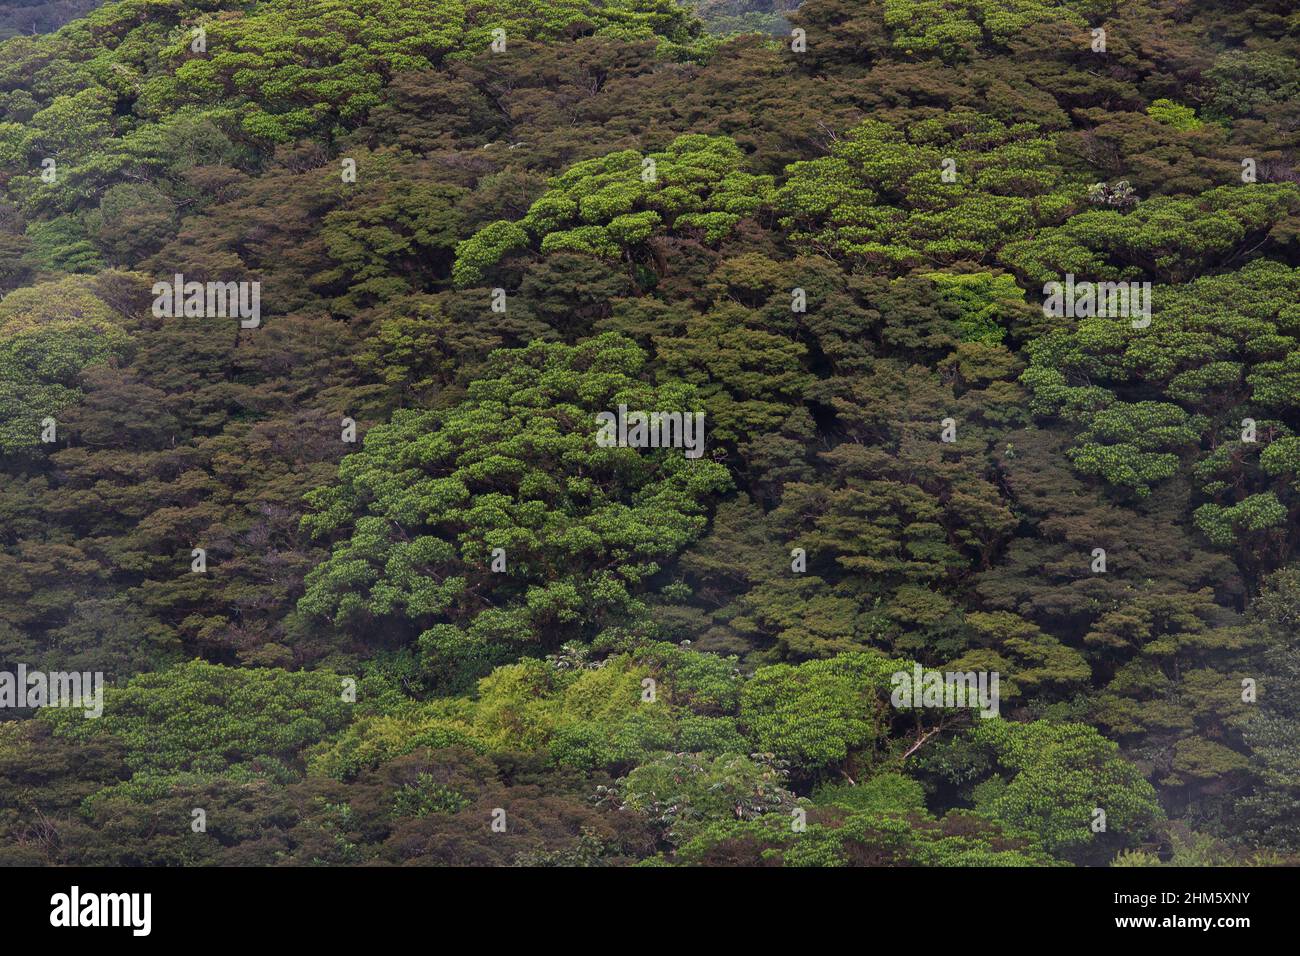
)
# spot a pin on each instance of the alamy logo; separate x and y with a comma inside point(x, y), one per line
point(637, 429)
point(209, 300)
point(54, 689)
point(927, 688)
point(1081, 300)
point(103, 909)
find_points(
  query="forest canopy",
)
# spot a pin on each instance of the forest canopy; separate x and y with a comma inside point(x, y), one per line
point(985, 317)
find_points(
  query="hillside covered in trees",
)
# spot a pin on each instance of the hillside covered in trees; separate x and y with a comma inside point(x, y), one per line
point(363, 583)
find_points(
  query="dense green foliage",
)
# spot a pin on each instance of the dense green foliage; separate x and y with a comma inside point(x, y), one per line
point(477, 226)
